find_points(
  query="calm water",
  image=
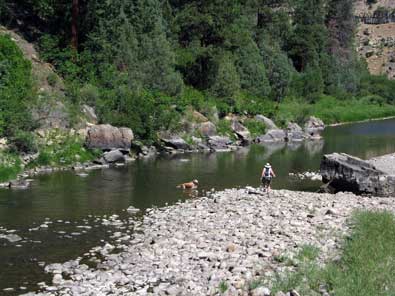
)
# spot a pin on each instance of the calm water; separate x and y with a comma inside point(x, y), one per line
point(69, 201)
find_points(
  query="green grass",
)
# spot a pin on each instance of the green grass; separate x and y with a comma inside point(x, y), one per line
point(223, 287)
point(10, 166)
point(332, 110)
point(367, 265)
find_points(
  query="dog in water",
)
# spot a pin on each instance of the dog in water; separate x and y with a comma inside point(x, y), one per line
point(189, 185)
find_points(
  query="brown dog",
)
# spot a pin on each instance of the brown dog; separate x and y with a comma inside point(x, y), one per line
point(189, 185)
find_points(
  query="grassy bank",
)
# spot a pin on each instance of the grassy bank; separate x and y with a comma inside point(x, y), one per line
point(332, 110)
point(367, 265)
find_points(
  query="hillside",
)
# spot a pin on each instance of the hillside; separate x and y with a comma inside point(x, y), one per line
point(376, 42)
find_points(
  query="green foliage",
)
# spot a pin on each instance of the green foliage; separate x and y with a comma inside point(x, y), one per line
point(10, 166)
point(23, 141)
point(52, 79)
point(255, 127)
point(15, 88)
point(366, 267)
point(227, 81)
point(62, 149)
point(224, 128)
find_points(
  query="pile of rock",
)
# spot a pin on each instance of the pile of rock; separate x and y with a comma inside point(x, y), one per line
point(231, 237)
point(293, 132)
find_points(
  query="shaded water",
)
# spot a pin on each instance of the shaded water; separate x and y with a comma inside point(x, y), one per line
point(69, 201)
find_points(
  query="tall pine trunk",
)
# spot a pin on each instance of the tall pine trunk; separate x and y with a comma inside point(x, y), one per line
point(74, 25)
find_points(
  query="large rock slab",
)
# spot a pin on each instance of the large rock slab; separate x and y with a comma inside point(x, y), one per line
point(108, 137)
point(274, 135)
point(295, 132)
point(174, 141)
point(241, 131)
point(349, 173)
point(207, 129)
point(267, 121)
point(218, 143)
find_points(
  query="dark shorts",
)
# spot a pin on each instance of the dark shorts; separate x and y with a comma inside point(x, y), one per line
point(266, 181)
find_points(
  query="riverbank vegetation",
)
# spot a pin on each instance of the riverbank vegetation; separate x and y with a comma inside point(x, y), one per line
point(366, 265)
point(142, 64)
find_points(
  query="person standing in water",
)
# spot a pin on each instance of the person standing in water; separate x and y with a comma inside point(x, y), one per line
point(267, 175)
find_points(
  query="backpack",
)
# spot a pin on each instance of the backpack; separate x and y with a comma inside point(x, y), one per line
point(267, 174)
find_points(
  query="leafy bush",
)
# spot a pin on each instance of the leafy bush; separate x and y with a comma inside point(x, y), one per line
point(63, 149)
point(255, 127)
point(224, 128)
point(52, 79)
point(23, 141)
point(15, 88)
point(10, 166)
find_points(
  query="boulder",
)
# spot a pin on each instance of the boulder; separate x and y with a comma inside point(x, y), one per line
point(344, 172)
point(89, 113)
point(267, 121)
point(295, 132)
point(314, 127)
point(274, 135)
point(175, 142)
point(114, 156)
point(108, 137)
point(217, 143)
point(207, 129)
point(241, 131)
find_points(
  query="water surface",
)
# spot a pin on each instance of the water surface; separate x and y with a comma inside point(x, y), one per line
point(69, 201)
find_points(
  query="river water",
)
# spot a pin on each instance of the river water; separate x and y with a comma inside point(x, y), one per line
point(73, 207)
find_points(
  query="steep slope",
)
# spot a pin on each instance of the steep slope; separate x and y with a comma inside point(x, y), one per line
point(49, 108)
point(376, 42)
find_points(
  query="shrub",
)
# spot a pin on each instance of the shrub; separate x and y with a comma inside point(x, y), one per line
point(15, 88)
point(52, 79)
point(255, 127)
point(23, 141)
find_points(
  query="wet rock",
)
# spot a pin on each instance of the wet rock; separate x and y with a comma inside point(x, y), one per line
point(132, 210)
point(295, 132)
point(314, 127)
point(12, 238)
point(267, 121)
point(107, 137)
point(218, 143)
point(114, 156)
point(174, 141)
point(274, 135)
point(19, 184)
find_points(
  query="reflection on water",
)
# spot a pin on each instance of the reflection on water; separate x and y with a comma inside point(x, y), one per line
point(152, 182)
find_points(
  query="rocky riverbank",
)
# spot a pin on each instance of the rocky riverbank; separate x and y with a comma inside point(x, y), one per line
point(229, 238)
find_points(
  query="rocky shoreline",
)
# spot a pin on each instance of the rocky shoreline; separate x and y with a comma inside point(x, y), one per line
point(191, 248)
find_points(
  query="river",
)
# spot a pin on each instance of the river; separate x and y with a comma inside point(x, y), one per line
point(72, 207)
